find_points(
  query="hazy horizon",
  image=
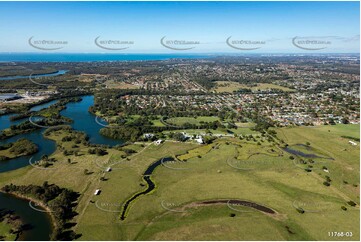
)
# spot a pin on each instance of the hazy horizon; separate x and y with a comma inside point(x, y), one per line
point(163, 27)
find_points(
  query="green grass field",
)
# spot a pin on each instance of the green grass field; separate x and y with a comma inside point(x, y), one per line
point(271, 179)
point(4, 232)
point(228, 86)
point(158, 123)
point(179, 121)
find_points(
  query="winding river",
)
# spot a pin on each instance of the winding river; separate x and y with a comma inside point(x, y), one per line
point(83, 121)
point(46, 146)
point(150, 184)
point(5, 121)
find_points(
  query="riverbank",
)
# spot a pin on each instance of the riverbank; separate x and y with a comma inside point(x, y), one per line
point(82, 121)
point(33, 75)
point(38, 203)
point(21, 147)
point(55, 202)
point(34, 224)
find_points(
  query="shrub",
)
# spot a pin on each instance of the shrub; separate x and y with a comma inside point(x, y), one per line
point(300, 210)
point(351, 203)
point(23, 147)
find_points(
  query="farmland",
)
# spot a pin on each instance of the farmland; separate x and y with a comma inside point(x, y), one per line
point(193, 149)
point(229, 168)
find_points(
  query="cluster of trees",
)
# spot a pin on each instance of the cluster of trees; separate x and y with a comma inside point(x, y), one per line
point(27, 126)
point(263, 124)
point(57, 128)
point(18, 148)
point(17, 226)
point(243, 91)
point(122, 133)
point(202, 125)
point(24, 127)
point(77, 137)
point(178, 136)
point(132, 133)
point(45, 161)
point(23, 147)
point(98, 151)
point(207, 83)
point(207, 139)
point(60, 201)
point(128, 151)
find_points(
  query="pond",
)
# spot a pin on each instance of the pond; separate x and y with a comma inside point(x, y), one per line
point(312, 153)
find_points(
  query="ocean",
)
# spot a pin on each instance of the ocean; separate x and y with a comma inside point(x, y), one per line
point(77, 57)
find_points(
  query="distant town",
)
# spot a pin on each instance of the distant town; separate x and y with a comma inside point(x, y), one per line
point(285, 90)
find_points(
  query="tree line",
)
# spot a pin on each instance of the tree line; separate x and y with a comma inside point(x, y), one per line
point(61, 201)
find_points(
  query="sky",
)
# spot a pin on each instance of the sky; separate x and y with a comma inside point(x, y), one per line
point(162, 27)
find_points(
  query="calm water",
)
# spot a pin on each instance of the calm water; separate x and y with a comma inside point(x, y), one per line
point(83, 121)
point(5, 119)
point(6, 123)
point(60, 72)
point(310, 155)
point(45, 146)
point(42, 106)
point(76, 57)
point(40, 222)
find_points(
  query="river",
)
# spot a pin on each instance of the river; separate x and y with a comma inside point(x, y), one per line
point(83, 121)
point(40, 222)
point(5, 121)
point(7, 78)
